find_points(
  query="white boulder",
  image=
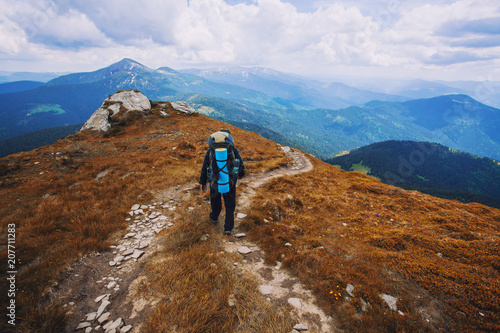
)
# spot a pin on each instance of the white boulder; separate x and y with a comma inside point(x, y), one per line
point(129, 100)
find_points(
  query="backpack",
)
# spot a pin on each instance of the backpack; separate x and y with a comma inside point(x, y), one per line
point(227, 169)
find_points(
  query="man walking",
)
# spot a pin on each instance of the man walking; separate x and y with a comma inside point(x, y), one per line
point(222, 167)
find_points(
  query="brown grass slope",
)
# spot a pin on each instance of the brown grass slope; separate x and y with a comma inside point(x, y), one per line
point(68, 199)
point(438, 257)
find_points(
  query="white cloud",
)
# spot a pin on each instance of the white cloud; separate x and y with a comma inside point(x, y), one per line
point(322, 37)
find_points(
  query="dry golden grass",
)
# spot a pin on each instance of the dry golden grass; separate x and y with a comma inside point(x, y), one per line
point(69, 198)
point(196, 282)
point(438, 257)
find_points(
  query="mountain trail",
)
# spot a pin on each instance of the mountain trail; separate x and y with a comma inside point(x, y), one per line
point(276, 284)
point(102, 290)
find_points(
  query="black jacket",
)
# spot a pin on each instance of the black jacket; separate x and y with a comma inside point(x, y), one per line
point(206, 162)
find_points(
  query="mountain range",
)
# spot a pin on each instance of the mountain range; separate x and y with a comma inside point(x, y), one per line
point(321, 118)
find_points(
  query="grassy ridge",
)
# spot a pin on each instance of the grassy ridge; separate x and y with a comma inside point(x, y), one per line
point(437, 257)
point(62, 210)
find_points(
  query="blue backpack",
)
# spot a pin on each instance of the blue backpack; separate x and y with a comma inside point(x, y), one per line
point(223, 168)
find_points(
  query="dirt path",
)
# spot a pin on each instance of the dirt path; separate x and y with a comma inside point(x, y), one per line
point(101, 289)
point(276, 284)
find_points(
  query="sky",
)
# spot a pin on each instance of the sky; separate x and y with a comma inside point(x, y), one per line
point(335, 40)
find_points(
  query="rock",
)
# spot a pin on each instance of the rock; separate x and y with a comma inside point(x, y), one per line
point(91, 316)
point(107, 326)
point(102, 307)
point(129, 235)
point(104, 317)
point(88, 330)
point(100, 298)
point(285, 149)
point(278, 265)
point(83, 325)
point(288, 244)
point(135, 207)
point(182, 107)
point(137, 254)
point(118, 259)
point(241, 215)
point(125, 329)
point(116, 324)
point(144, 244)
point(350, 289)
point(295, 302)
point(240, 235)
point(266, 290)
point(128, 252)
point(204, 238)
point(112, 284)
point(123, 101)
point(112, 263)
point(244, 250)
point(390, 300)
point(301, 327)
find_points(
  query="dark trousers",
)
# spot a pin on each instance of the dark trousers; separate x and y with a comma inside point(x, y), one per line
point(229, 202)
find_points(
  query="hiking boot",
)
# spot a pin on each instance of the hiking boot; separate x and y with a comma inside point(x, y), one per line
point(214, 221)
point(227, 233)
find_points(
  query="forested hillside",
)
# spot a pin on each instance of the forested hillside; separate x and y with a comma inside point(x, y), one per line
point(430, 168)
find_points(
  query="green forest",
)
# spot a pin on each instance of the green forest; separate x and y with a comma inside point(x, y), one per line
point(429, 168)
point(36, 139)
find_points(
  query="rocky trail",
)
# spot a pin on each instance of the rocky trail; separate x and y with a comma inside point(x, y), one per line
point(102, 290)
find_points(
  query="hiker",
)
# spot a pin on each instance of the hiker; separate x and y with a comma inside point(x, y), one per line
point(222, 167)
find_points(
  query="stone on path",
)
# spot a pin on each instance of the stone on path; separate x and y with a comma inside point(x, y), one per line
point(136, 207)
point(241, 215)
point(128, 252)
point(118, 259)
point(104, 317)
point(266, 290)
point(244, 250)
point(83, 325)
point(100, 298)
point(91, 316)
point(144, 244)
point(112, 284)
point(103, 306)
point(116, 324)
point(295, 302)
point(301, 327)
point(137, 254)
point(125, 329)
point(240, 235)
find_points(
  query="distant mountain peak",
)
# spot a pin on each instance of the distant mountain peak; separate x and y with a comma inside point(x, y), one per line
point(129, 65)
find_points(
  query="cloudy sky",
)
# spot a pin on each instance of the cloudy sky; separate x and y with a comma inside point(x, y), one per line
point(441, 39)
